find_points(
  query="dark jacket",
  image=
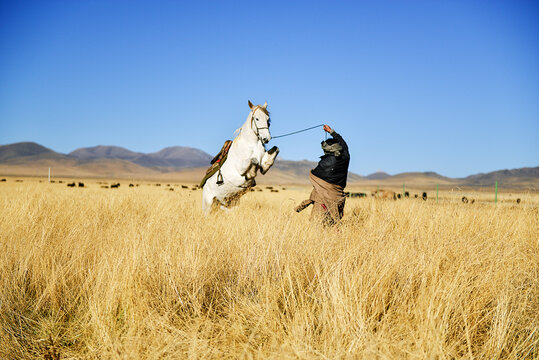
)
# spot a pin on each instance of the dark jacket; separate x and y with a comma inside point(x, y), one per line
point(334, 169)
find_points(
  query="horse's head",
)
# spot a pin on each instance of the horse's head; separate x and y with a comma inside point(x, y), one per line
point(260, 121)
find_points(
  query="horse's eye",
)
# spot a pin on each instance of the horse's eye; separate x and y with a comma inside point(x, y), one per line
point(256, 119)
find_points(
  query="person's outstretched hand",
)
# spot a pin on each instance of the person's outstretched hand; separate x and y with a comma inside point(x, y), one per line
point(328, 129)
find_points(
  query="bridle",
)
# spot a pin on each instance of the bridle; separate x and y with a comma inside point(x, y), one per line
point(256, 126)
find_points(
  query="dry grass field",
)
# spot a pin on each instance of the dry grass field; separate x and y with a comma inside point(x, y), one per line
point(138, 273)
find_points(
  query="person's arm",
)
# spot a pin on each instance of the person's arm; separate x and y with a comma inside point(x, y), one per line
point(303, 205)
point(339, 139)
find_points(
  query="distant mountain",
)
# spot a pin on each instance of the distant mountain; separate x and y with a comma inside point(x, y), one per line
point(104, 152)
point(180, 156)
point(527, 174)
point(175, 156)
point(379, 175)
point(23, 149)
point(179, 162)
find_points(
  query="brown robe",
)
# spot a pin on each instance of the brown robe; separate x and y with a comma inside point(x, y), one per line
point(327, 200)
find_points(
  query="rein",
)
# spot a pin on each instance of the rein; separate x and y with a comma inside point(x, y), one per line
point(297, 132)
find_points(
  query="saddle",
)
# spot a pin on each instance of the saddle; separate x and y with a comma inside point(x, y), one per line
point(216, 164)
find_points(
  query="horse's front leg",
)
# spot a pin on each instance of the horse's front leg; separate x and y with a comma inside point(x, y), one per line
point(268, 159)
point(250, 173)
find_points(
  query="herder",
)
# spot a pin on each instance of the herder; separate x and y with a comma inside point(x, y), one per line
point(329, 180)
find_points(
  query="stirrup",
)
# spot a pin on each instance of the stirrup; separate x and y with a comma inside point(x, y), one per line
point(220, 178)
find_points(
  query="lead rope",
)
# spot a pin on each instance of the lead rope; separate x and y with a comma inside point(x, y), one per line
point(297, 132)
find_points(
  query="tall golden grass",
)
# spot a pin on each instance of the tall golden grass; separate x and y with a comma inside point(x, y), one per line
point(136, 273)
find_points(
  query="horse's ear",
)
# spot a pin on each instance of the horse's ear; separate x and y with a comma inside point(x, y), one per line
point(265, 105)
point(251, 106)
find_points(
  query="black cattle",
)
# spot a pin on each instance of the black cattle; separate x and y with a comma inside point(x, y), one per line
point(518, 201)
point(131, 185)
point(71, 184)
point(399, 196)
point(406, 194)
point(104, 186)
point(269, 187)
point(416, 196)
point(3, 180)
point(424, 196)
point(115, 186)
point(185, 187)
point(464, 199)
point(274, 190)
point(59, 182)
point(354, 195)
point(171, 189)
point(18, 180)
point(157, 184)
point(81, 184)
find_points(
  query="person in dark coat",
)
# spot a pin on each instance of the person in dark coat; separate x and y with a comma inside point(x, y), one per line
point(329, 180)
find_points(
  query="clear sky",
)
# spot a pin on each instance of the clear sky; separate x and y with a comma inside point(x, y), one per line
point(445, 86)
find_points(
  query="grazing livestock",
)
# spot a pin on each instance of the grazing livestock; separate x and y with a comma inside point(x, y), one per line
point(518, 201)
point(416, 196)
point(18, 180)
point(424, 196)
point(3, 180)
point(52, 181)
point(269, 187)
point(384, 194)
point(59, 182)
point(171, 189)
point(353, 195)
point(71, 184)
point(131, 185)
point(104, 186)
point(398, 196)
point(115, 186)
point(185, 187)
point(274, 190)
point(406, 194)
point(81, 184)
point(464, 199)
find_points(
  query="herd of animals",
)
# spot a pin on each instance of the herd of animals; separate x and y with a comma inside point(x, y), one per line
point(378, 194)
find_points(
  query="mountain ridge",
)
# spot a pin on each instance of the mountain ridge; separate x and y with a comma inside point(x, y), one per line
point(103, 160)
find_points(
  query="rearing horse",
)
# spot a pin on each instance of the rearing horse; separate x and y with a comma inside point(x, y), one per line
point(246, 156)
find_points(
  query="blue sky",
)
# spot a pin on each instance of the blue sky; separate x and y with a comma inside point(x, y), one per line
point(445, 86)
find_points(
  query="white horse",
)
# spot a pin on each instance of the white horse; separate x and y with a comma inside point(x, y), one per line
point(246, 156)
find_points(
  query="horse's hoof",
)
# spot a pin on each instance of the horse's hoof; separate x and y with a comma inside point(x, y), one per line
point(273, 149)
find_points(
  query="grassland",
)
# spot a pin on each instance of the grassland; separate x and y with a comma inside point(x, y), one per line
point(136, 273)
